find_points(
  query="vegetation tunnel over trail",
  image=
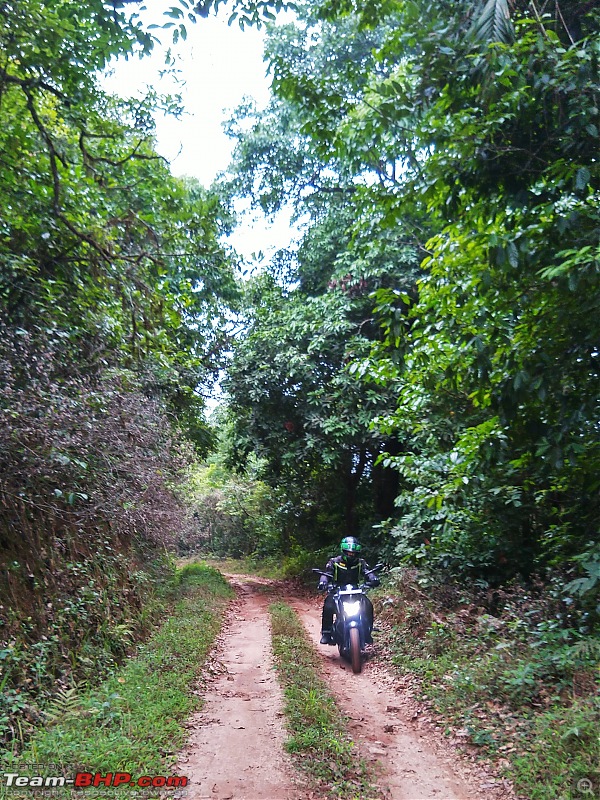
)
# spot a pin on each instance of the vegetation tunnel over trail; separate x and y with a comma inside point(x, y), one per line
point(420, 369)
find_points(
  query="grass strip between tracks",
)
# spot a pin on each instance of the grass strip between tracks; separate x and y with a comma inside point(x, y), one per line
point(134, 721)
point(318, 738)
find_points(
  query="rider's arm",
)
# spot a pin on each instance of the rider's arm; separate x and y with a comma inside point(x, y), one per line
point(324, 580)
point(330, 566)
point(370, 576)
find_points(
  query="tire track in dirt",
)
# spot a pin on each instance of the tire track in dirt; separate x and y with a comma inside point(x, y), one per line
point(235, 749)
point(412, 761)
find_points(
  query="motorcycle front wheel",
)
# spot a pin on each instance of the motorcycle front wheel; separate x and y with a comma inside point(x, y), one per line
point(355, 655)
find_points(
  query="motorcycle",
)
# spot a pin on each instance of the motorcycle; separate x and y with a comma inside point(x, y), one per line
point(351, 627)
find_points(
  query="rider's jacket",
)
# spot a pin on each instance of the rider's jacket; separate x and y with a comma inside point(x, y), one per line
point(345, 574)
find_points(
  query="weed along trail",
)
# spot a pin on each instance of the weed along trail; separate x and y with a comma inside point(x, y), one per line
point(412, 761)
point(235, 749)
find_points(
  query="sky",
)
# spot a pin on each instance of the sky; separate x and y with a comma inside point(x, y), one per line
point(219, 66)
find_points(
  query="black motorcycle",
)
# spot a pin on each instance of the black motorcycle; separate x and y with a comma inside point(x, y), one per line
point(351, 626)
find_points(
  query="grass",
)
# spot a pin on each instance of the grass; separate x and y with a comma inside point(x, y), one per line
point(84, 630)
point(296, 566)
point(133, 722)
point(247, 566)
point(520, 690)
point(318, 740)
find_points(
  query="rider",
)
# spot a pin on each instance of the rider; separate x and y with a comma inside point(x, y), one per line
point(348, 568)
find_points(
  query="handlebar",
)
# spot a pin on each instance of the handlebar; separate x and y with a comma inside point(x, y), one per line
point(326, 574)
point(376, 568)
point(331, 587)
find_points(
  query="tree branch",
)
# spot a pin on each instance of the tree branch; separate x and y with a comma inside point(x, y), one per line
point(118, 163)
point(30, 83)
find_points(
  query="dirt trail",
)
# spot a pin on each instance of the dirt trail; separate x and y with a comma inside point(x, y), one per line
point(236, 750)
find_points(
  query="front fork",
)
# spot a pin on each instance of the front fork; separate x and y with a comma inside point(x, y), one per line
point(341, 630)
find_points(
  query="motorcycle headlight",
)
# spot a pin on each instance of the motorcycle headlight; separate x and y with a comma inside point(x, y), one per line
point(352, 608)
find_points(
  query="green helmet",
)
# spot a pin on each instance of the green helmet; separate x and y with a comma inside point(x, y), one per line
point(350, 546)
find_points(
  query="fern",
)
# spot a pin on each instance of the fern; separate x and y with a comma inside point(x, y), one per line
point(493, 23)
point(586, 649)
point(66, 703)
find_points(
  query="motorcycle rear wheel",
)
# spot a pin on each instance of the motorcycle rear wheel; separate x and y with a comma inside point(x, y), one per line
point(355, 654)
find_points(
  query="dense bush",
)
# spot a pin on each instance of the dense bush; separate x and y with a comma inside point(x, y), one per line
point(113, 288)
point(86, 467)
point(230, 515)
point(512, 673)
point(445, 158)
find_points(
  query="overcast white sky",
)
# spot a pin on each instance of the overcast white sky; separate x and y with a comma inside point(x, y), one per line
point(220, 65)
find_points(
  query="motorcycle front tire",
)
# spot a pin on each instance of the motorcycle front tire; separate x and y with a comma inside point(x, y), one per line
point(355, 654)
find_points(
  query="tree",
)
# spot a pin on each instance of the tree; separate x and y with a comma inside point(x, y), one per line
point(115, 289)
point(470, 136)
point(293, 400)
point(99, 239)
point(500, 377)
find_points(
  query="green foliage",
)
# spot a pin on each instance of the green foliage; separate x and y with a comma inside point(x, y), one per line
point(510, 449)
point(114, 289)
point(99, 245)
point(204, 580)
point(84, 639)
point(277, 160)
point(487, 154)
point(300, 563)
point(519, 684)
point(295, 407)
point(133, 722)
point(245, 12)
point(493, 23)
point(81, 542)
point(230, 515)
point(463, 137)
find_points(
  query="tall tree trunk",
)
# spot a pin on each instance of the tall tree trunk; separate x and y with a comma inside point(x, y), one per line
point(354, 469)
point(385, 482)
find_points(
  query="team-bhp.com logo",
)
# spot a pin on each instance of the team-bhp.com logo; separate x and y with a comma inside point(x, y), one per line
point(83, 780)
